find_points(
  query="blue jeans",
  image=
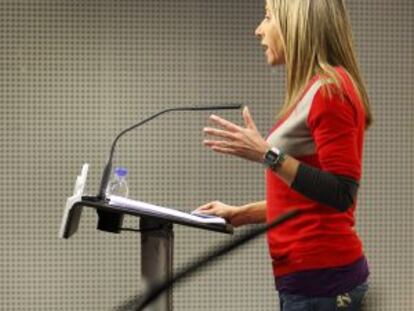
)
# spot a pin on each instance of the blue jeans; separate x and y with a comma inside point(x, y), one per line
point(351, 301)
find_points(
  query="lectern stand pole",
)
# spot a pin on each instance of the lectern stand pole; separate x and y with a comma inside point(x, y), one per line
point(157, 243)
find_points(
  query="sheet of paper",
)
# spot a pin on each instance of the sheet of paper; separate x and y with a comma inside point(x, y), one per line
point(162, 211)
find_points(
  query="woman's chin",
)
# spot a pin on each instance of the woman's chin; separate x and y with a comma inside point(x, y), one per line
point(271, 61)
point(274, 61)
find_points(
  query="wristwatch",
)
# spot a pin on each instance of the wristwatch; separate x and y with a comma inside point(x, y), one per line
point(273, 158)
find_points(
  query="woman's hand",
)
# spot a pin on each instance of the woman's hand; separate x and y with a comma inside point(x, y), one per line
point(252, 213)
point(220, 209)
point(244, 142)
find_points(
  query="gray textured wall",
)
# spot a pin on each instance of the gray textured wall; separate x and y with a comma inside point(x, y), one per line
point(73, 73)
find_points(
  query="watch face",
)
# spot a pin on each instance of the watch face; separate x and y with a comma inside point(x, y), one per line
point(271, 156)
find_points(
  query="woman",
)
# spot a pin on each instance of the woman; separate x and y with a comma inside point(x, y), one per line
point(313, 157)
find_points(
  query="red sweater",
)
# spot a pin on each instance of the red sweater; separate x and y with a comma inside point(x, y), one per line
point(326, 132)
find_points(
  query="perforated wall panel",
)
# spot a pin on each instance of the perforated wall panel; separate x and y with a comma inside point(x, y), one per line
point(74, 73)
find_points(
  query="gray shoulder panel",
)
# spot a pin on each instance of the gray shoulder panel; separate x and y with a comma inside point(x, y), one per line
point(293, 135)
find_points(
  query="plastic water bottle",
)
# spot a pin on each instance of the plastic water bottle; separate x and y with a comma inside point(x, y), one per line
point(118, 185)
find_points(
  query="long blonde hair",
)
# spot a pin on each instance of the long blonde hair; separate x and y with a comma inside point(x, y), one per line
point(317, 37)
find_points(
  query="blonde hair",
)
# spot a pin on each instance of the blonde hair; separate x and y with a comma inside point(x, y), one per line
point(317, 37)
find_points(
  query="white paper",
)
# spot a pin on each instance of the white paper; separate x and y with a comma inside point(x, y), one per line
point(162, 211)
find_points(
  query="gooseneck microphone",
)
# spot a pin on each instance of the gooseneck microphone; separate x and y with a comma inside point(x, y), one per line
point(108, 167)
point(110, 221)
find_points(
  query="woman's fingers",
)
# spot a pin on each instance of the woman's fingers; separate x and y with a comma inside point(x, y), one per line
point(210, 212)
point(217, 208)
point(221, 146)
point(223, 210)
point(219, 133)
point(248, 120)
point(205, 207)
point(244, 142)
point(219, 143)
point(225, 123)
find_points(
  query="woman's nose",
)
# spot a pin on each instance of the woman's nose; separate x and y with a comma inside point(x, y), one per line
point(258, 31)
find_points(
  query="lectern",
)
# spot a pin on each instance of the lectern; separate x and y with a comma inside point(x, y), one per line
point(156, 227)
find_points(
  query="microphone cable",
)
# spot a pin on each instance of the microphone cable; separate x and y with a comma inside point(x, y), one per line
point(138, 303)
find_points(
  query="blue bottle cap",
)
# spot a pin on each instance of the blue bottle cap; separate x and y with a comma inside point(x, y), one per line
point(121, 171)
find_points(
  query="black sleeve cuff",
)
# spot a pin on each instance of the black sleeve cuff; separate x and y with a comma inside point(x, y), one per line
point(334, 190)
